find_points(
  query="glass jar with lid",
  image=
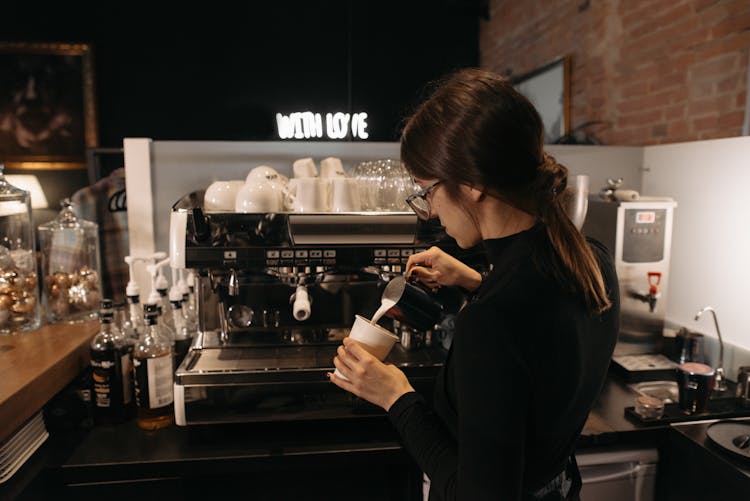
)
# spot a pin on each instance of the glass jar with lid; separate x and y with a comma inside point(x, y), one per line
point(71, 289)
point(19, 292)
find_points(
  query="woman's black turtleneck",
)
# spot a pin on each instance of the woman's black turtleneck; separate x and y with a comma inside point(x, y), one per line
point(526, 364)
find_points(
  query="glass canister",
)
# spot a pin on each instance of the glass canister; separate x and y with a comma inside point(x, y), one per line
point(19, 293)
point(71, 289)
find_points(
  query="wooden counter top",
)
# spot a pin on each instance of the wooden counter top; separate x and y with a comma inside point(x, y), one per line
point(35, 366)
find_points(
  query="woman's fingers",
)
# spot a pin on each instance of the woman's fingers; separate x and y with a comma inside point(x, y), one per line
point(424, 258)
point(356, 350)
point(425, 274)
point(342, 367)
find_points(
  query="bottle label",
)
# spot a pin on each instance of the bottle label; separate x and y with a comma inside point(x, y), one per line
point(153, 382)
point(106, 372)
point(102, 376)
point(127, 377)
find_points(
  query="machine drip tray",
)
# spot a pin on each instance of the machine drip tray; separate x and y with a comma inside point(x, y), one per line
point(645, 367)
point(290, 363)
point(264, 359)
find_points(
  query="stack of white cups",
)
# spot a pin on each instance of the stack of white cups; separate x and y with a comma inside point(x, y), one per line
point(265, 190)
point(332, 191)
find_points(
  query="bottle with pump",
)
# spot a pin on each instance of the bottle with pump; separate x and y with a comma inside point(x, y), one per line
point(110, 361)
point(133, 294)
point(184, 331)
point(156, 297)
point(154, 374)
point(188, 308)
point(183, 338)
point(127, 340)
point(125, 324)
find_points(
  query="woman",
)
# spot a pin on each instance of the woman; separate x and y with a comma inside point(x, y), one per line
point(531, 350)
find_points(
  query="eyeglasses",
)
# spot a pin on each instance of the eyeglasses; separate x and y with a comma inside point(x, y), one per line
point(419, 202)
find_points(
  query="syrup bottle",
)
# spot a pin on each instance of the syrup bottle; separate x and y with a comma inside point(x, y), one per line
point(153, 374)
point(183, 335)
point(109, 358)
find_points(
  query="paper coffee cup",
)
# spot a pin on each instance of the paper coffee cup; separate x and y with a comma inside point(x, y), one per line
point(373, 338)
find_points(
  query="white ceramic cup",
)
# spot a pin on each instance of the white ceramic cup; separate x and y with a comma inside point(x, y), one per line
point(304, 167)
point(373, 338)
point(345, 195)
point(263, 173)
point(221, 195)
point(332, 167)
point(307, 194)
point(259, 197)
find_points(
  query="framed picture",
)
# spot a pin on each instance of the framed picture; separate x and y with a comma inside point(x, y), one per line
point(548, 88)
point(47, 110)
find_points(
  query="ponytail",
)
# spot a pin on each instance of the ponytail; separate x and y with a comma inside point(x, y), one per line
point(575, 260)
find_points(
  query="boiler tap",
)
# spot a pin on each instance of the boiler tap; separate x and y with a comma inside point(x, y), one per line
point(654, 278)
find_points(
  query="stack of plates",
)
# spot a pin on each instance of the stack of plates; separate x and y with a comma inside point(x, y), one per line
point(19, 447)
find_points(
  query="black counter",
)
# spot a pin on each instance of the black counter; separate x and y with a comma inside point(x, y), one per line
point(310, 460)
point(702, 470)
point(278, 460)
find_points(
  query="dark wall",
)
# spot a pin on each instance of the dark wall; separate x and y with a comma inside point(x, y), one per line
point(222, 71)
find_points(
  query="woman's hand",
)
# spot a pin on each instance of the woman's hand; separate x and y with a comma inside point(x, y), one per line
point(369, 378)
point(434, 268)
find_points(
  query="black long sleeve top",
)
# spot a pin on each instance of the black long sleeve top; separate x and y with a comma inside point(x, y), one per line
point(526, 363)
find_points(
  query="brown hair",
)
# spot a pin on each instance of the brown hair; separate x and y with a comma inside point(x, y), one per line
point(476, 129)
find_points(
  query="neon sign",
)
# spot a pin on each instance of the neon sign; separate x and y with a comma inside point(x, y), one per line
point(309, 125)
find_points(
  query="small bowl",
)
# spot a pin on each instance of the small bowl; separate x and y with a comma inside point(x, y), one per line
point(649, 407)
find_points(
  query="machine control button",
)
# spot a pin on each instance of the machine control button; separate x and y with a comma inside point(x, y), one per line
point(329, 261)
point(379, 260)
point(394, 252)
point(394, 260)
point(272, 262)
point(407, 252)
point(230, 255)
point(329, 253)
point(379, 253)
point(272, 254)
point(316, 254)
point(287, 254)
point(300, 254)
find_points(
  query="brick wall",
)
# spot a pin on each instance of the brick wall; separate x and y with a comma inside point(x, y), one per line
point(657, 71)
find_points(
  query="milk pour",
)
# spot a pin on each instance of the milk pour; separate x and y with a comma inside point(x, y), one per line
point(385, 305)
point(391, 295)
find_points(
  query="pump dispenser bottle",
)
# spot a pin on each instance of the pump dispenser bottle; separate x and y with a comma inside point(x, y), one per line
point(154, 374)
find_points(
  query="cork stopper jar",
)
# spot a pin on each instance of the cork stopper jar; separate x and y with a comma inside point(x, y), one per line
point(19, 292)
point(71, 289)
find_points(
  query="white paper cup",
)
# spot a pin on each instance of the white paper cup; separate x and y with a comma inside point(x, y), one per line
point(373, 338)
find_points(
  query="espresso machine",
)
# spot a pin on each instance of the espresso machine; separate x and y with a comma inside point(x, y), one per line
point(638, 235)
point(277, 293)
